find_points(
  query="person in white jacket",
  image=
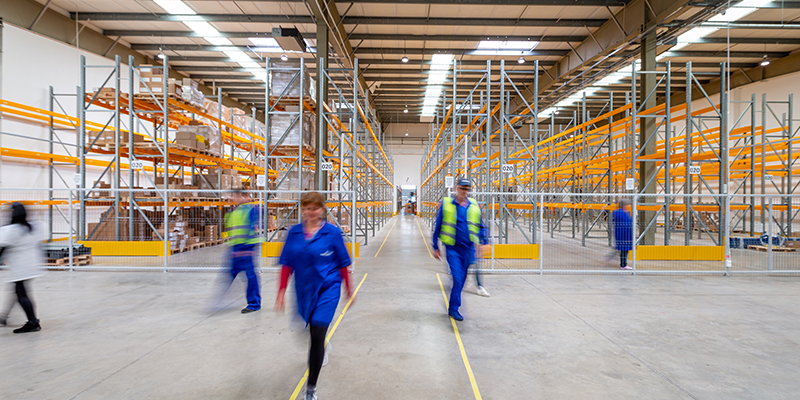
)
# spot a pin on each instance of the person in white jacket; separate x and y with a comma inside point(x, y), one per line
point(23, 258)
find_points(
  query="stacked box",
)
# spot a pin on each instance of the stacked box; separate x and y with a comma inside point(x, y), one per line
point(106, 138)
point(229, 182)
point(153, 78)
point(109, 94)
point(279, 124)
point(194, 136)
point(292, 182)
point(211, 232)
point(280, 79)
point(105, 230)
point(272, 222)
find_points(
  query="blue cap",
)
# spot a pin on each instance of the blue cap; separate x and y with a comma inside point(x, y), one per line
point(464, 182)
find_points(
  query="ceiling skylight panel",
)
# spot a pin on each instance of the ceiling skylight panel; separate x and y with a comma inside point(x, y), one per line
point(202, 28)
point(177, 7)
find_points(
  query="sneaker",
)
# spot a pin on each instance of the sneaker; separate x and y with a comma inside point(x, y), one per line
point(311, 394)
point(248, 310)
point(3, 321)
point(482, 292)
point(626, 267)
point(327, 350)
point(29, 327)
point(456, 316)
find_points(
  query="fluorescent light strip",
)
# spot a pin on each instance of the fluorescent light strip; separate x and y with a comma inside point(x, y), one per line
point(213, 36)
point(175, 7)
point(732, 14)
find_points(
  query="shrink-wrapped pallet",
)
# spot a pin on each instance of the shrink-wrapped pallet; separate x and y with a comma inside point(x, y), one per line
point(280, 79)
point(280, 124)
point(292, 182)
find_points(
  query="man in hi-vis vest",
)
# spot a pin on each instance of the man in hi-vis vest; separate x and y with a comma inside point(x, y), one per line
point(460, 228)
point(241, 230)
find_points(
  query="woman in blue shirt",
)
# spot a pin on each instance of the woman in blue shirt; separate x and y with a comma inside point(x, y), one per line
point(315, 252)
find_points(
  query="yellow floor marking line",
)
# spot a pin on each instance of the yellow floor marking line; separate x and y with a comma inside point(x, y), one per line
point(387, 237)
point(302, 382)
point(423, 238)
point(461, 347)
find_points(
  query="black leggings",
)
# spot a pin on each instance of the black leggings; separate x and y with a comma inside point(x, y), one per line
point(317, 353)
point(623, 258)
point(25, 301)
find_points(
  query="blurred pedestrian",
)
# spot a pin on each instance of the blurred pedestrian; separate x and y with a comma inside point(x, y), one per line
point(459, 226)
point(23, 257)
point(623, 232)
point(241, 230)
point(314, 250)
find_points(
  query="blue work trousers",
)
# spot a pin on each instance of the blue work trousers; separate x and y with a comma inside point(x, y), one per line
point(458, 258)
point(245, 263)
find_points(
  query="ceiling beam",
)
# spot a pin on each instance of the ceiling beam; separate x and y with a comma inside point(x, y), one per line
point(355, 36)
point(751, 25)
point(355, 20)
point(590, 3)
point(612, 39)
point(361, 61)
point(747, 40)
point(361, 50)
point(723, 54)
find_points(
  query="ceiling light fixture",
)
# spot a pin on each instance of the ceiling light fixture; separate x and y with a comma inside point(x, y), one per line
point(405, 110)
point(404, 59)
point(161, 55)
point(764, 62)
point(521, 60)
point(284, 57)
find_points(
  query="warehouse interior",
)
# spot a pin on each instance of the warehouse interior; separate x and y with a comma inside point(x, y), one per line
point(126, 125)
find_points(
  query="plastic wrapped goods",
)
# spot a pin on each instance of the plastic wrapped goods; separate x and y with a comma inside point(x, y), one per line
point(279, 124)
point(280, 79)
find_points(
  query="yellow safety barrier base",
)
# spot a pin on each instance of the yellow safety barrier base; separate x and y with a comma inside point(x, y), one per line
point(125, 248)
point(679, 253)
point(514, 251)
point(273, 249)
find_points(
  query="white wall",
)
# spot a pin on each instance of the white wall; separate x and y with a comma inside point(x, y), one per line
point(406, 164)
point(31, 64)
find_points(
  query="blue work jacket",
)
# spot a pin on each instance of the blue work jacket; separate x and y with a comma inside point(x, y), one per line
point(623, 230)
point(316, 265)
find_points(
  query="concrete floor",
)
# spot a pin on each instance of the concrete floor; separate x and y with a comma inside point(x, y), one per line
point(132, 335)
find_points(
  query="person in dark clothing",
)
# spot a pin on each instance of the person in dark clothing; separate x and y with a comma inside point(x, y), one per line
point(623, 232)
point(23, 256)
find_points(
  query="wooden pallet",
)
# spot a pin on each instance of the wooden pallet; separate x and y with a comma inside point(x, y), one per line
point(196, 246)
point(774, 248)
point(158, 147)
point(292, 149)
point(83, 259)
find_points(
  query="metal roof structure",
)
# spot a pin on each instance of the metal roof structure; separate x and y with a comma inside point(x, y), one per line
point(576, 43)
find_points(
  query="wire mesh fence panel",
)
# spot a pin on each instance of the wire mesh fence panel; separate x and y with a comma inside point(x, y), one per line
point(176, 230)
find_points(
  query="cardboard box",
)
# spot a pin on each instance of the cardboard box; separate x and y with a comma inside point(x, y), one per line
point(151, 70)
point(189, 83)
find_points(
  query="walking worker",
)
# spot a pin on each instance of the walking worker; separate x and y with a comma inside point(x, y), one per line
point(623, 232)
point(22, 252)
point(315, 252)
point(241, 229)
point(460, 228)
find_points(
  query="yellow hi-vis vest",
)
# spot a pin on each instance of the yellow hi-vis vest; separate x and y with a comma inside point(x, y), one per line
point(449, 218)
point(237, 226)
